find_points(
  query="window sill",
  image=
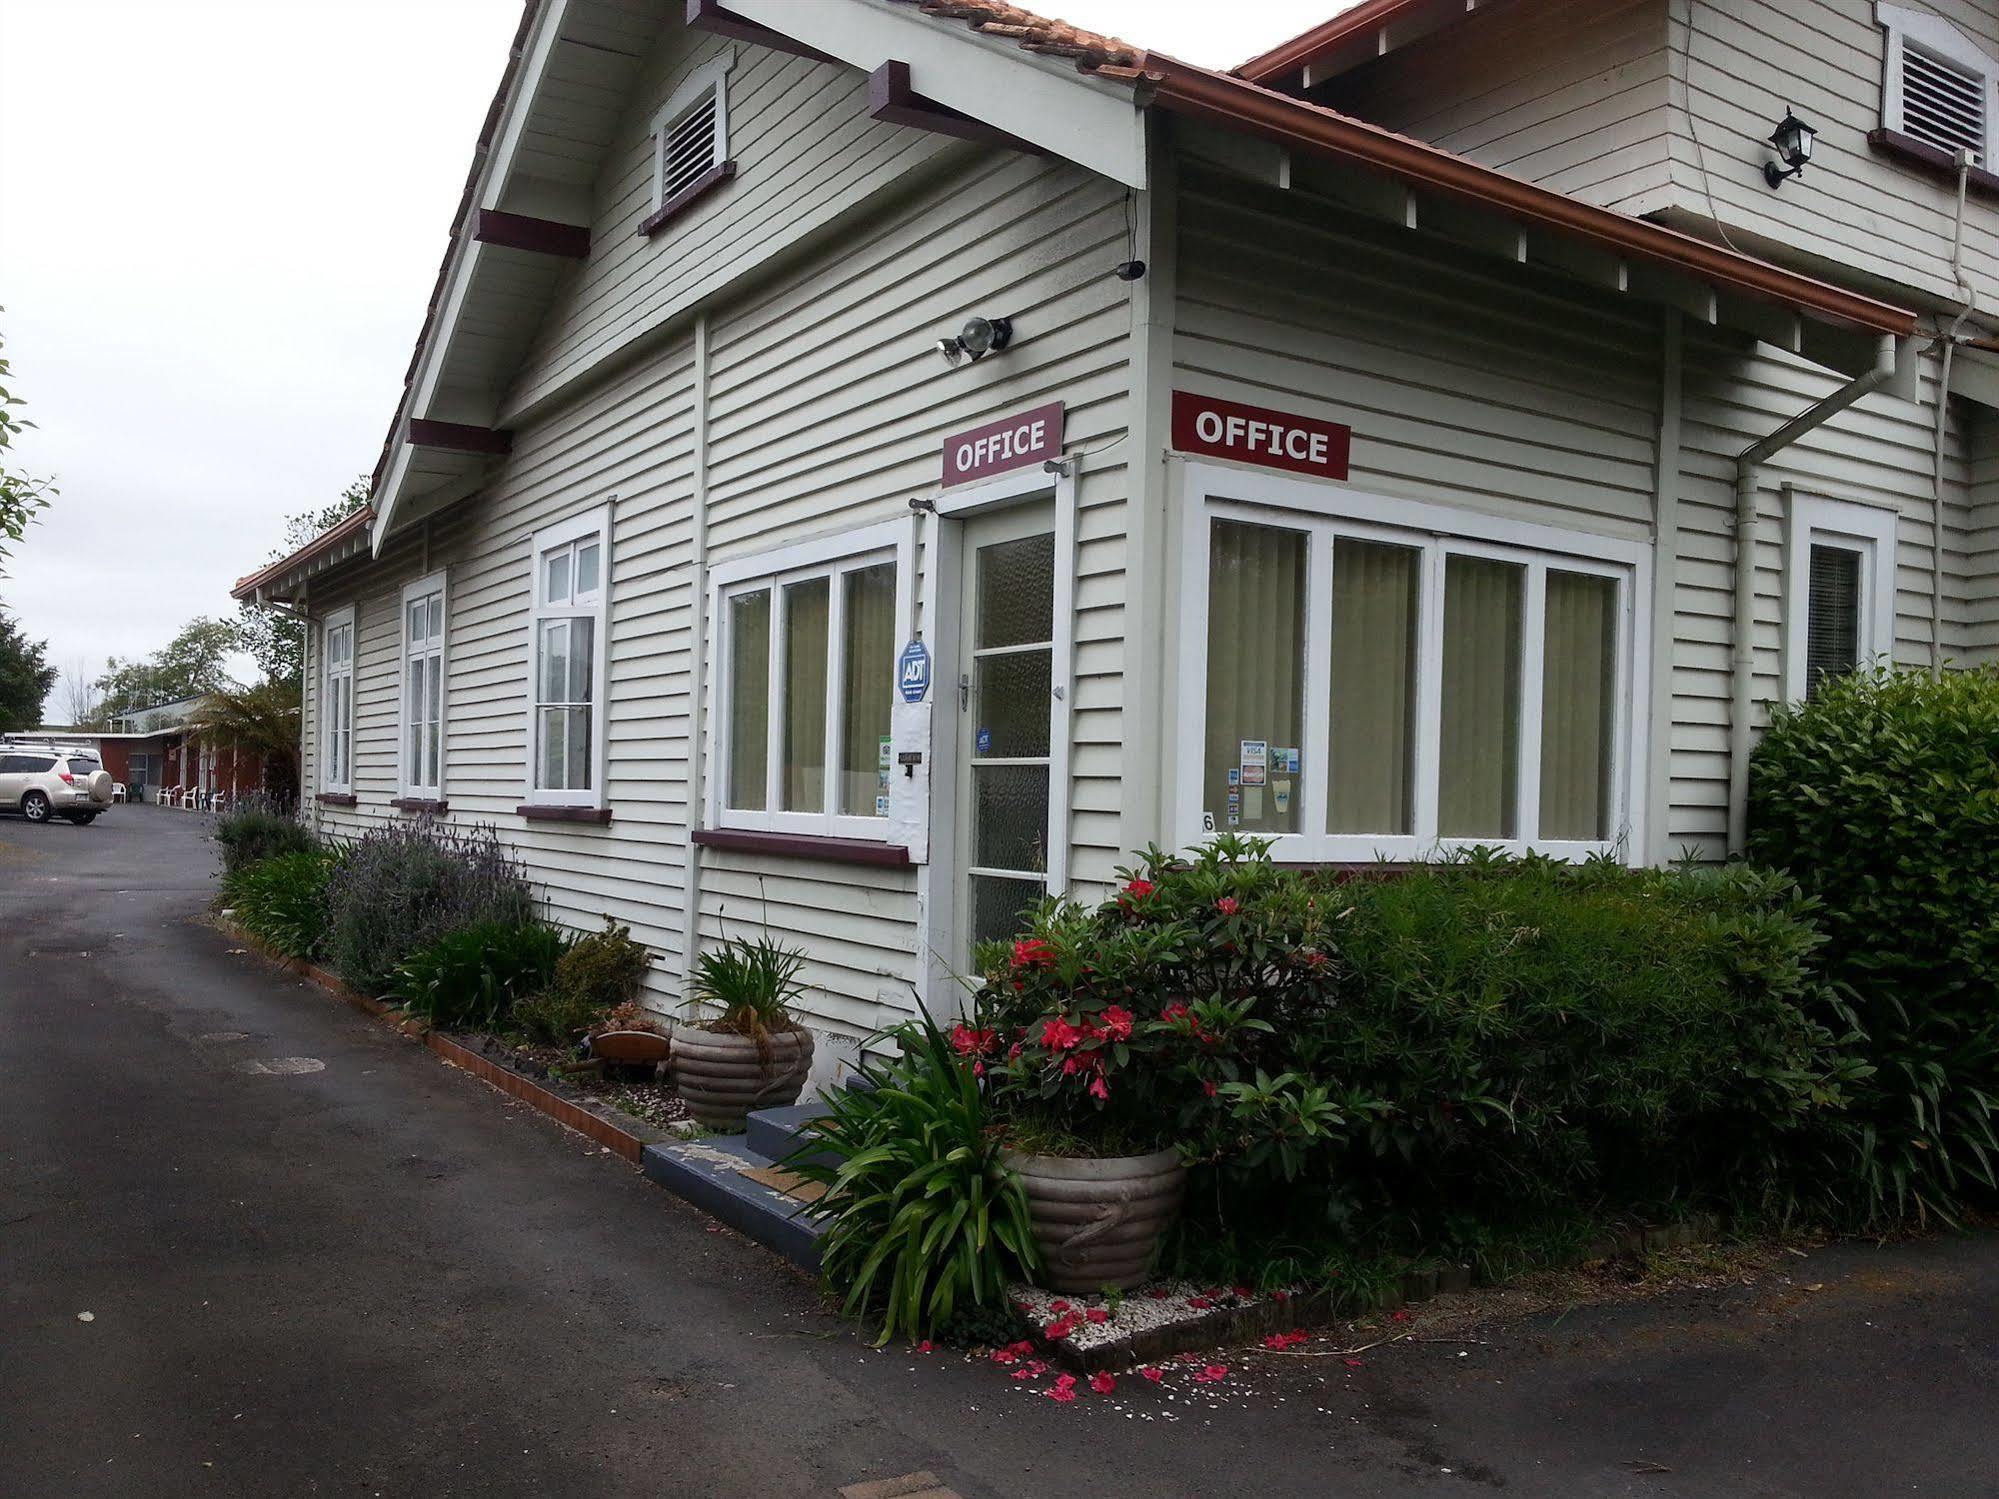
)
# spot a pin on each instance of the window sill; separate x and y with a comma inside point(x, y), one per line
point(421, 805)
point(805, 846)
point(537, 812)
point(337, 799)
point(1932, 158)
point(685, 199)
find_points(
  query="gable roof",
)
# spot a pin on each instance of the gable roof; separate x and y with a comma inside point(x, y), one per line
point(1362, 23)
point(1237, 102)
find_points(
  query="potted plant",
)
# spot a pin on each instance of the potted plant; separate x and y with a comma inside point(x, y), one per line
point(751, 1054)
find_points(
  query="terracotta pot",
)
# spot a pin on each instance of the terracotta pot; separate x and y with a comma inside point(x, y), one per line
point(629, 1047)
point(1099, 1222)
point(722, 1080)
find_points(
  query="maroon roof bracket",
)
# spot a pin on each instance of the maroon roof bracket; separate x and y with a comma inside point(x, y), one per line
point(457, 437)
point(891, 98)
point(520, 231)
point(709, 15)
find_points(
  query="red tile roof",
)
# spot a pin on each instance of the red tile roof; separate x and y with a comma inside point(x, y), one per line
point(1034, 33)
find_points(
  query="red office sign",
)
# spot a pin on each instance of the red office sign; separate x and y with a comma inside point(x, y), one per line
point(1256, 434)
point(998, 447)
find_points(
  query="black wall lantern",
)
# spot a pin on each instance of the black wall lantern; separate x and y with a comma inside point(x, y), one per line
point(978, 338)
point(1793, 140)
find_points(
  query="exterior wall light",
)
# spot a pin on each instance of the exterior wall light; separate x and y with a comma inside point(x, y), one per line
point(978, 338)
point(1793, 140)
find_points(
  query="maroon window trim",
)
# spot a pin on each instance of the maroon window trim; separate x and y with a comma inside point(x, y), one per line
point(681, 201)
point(421, 804)
point(1922, 154)
point(536, 812)
point(337, 799)
point(805, 846)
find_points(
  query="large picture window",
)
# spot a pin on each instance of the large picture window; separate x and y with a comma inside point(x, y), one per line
point(1380, 690)
point(423, 689)
point(571, 588)
point(337, 703)
point(806, 689)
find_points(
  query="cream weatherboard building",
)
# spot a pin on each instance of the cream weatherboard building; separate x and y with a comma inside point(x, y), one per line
point(868, 464)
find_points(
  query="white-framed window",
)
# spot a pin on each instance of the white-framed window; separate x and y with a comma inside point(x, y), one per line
point(807, 640)
point(336, 698)
point(423, 688)
point(1937, 85)
point(690, 135)
point(1379, 678)
point(572, 587)
point(1839, 589)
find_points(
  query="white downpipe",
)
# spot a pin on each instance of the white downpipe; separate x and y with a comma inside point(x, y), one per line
point(1748, 472)
point(697, 696)
point(1949, 342)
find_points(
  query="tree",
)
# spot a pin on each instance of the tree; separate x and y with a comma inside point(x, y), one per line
point(25, 678)
point(78, 696)
point(192, 662)
point(261, 723)
point(272, 637)
point(21, 497)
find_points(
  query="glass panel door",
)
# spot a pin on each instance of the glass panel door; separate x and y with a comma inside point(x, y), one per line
point(1006, 693)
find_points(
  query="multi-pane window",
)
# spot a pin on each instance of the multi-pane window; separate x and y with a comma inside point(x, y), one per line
point(337, 703)
point(1840, 608)
point(1371, 691)
point(807, 687)
point(570, 590)
point(423, 688)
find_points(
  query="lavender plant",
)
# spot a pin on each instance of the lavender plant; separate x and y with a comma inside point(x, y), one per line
point(400, 888)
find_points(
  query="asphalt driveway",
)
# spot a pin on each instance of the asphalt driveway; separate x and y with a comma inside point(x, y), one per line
point(251, 1243)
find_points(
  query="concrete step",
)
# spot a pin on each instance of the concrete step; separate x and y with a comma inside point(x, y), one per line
point(777, 1133)
point(723, 1176)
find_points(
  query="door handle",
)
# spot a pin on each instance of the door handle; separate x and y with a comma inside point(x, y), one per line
point(964, 692)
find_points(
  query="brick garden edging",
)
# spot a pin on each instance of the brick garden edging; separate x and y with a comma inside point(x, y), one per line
point(615, 1130)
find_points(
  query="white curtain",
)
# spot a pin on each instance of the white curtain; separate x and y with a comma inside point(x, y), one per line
point(1375, 589)
point(867, 671)
point(1579, 676)
point(1480, 740)
point(1256, 669)
point(749, 699)
point(804, 762)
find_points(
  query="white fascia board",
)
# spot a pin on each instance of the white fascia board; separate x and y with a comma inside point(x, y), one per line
point(499, 161)
point(1089, 121)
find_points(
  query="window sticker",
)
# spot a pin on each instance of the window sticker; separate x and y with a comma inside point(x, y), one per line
point(1280, 793)
point(1285, 760)
point(985, 741)
point(1252, 803)
point(1235, 775)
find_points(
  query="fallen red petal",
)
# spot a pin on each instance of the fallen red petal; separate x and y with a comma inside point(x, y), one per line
point(1098, 1314)
point(1153, 1373)
point(1103, 1384)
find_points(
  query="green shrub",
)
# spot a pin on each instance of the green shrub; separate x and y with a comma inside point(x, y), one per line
point(282, 901)
point(1881, 795)
point(472, 978)
point(254, 833)
point(925, 1221)
point(402, 887)
point(605, 969)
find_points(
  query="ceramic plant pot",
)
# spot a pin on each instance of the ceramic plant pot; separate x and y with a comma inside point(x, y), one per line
point(1099, 1222)
point(629, 1048)
point(722, 1079)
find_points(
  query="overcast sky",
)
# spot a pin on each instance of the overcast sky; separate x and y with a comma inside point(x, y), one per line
point(219, 225)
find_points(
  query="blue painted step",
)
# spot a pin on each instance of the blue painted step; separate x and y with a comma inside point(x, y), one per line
point(776, 1133)
point(709, 1174)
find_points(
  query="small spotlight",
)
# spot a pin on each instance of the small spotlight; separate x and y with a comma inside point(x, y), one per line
point(951, 349)
point(1130, 270)
point(978, 338)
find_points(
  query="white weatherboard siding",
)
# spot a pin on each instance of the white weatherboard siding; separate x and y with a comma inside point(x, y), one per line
point(806, 155)
point(1742, 61)
point(1981, 570)
point(1474, 384)
point(1566, 93)
point(827, 409)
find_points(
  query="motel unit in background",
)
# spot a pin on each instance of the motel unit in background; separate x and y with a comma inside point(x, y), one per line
point(1328, 485)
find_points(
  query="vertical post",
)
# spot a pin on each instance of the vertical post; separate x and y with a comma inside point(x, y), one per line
point(1655, 756)
point(698, 692)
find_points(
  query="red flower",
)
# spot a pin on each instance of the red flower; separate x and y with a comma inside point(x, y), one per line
point(1033, 952)
point(1058, 1035)
point(1027, 1373)
point(1213, 1374)
point(970, 1043)
point(926, 1346)
point(1004, 1356)
point(1153, 1372)
point(1136, 890)
point(1175, 1011)
point(1098, 1315)
point(1243, 1292)
point(1061, 1327)
point(1199, 1303)
point(1228, 905)
point(1058, 1307)
point(1399, 1317)
point(1070, 1066)
point(1208, 1088)
point(1099, 1089)
point(1103, 1384)
point(1351, 1363)
point(1159, 1293)
point(1061, 1392)
point(1117, 1023)
point(1283, 1340)
point(1280, 1295)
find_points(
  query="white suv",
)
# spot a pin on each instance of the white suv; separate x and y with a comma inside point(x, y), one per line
point(41, 781)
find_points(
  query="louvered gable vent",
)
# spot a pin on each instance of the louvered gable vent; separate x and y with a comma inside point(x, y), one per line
point(1942, 104)
point(689, 147)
